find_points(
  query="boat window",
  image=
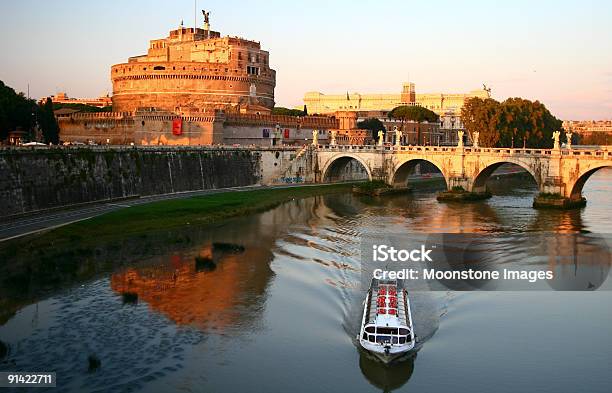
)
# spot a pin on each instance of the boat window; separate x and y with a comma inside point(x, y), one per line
point(383, 339)
point(394, 340)
point(386, 330)
point(404, 332)
point(369, 329)
point(365, 336)
point(371, 338)
point(402, 340)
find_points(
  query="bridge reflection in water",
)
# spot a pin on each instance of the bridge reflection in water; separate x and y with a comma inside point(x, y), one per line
point(298, 267)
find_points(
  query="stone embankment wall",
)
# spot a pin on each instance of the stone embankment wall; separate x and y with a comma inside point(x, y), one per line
point(43, 178)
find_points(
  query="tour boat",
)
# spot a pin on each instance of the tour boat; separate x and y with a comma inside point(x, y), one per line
point(386, 326)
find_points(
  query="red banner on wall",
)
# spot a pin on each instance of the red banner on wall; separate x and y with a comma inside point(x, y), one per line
point(286, 133)
point(177, 126)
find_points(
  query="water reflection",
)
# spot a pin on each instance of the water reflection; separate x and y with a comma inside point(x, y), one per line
point(386, 377)
point(223, 287)
point(272, 300)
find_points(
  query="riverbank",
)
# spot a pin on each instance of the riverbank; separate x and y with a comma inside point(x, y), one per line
point(170, 214)
point(33, 265)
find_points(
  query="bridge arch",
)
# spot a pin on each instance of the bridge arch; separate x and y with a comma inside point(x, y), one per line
point(480, 180)
point(403, 169)
point(576, 188)
point(333, 168)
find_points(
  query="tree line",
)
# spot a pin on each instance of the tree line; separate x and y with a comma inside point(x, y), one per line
point(515, 122)
point(17, 112)
point(279, 110)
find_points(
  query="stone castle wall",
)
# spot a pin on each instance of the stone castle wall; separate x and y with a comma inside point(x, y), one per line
point(155, 128)
point(141, 129)
point(176, 86)
point(39, 179)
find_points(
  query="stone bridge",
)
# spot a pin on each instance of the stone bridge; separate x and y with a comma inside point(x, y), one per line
point(559, 173)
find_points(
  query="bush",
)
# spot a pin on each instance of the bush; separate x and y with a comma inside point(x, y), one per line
point(372, 185)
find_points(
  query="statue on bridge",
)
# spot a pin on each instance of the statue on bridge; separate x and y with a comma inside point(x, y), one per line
point(475, 136)
point(460, 138)
point(333, 137)
point(568, 137)
point(398, 136)
point(315, 137)
point(555, 137)
point(380, 138)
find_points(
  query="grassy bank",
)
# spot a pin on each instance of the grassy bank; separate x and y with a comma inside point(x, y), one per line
point(174, 213)
point(33, 266)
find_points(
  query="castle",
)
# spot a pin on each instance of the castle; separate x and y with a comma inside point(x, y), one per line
point(194, 87)
point(195, 70)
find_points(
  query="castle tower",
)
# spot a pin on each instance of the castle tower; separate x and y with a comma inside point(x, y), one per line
point(408, 95)
point(347, 119)
point(194, 70)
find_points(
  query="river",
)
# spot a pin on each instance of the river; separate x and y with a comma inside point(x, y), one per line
point(271, 304)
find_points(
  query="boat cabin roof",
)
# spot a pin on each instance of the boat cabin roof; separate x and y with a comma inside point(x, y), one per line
point(387, 305)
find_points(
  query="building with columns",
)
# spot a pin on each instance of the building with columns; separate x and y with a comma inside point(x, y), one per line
point(441, 103)
point(446, 105)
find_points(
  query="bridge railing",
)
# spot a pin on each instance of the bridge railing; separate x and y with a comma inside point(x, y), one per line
point(603, 152)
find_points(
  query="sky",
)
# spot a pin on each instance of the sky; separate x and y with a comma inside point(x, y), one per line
point(559, 52)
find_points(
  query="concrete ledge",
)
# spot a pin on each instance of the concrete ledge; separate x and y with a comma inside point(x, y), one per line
point(462, 196)
point(546, 201)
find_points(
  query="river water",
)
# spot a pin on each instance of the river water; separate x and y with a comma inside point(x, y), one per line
point(271, 304)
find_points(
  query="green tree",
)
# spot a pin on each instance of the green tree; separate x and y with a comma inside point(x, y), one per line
point(372, 124)
point(515, 122)
point(279, 110)
point(16, 111)
point(82, 107)
point(482, 115)
point(526, 123)
point(48, 123)
point(417, 114)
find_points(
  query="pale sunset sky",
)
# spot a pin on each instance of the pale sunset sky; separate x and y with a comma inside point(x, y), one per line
point(559, 52)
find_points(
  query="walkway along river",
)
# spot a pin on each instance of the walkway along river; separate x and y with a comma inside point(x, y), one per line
point(271, 301)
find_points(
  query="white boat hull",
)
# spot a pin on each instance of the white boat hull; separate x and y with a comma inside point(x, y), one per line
point(395, 353)
point(386, 327)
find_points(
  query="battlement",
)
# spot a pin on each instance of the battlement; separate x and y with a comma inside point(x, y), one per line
point(322, 122)
point(187, 70)
point(190, 33)
point(100, 115)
